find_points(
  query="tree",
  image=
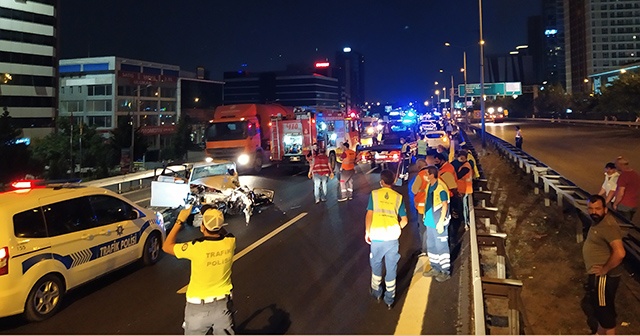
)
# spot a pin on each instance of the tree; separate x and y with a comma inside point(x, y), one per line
point(622, 97)
point(17, 165)
point(552, 100)
point(121, 139)
point(181, 140)
point(82, 145)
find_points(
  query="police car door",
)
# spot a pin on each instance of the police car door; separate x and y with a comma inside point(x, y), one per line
point(122, 225)
point(74, 236)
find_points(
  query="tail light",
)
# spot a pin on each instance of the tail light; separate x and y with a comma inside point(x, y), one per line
point(4, 260)
point(396, 156)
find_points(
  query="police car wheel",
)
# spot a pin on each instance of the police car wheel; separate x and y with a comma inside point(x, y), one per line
point(152, 247)
point(44, 298)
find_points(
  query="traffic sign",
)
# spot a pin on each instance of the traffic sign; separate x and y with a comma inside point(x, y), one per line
point(492, 89)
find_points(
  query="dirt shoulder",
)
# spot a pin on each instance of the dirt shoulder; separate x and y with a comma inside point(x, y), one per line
point(544, 255)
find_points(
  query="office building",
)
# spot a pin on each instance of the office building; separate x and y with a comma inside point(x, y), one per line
point(289, 88)
point(28, 64)
point(107, 92)
point(350, 72)
point(554, 43)
point(602, 36)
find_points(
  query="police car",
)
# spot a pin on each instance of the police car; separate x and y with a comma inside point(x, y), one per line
point(56, 237)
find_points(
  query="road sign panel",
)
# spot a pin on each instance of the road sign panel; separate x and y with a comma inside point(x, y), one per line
point(492, 89)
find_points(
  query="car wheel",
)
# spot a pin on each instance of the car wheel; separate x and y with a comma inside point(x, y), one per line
point(257, 163)
point(152, 247)
point(44, 298)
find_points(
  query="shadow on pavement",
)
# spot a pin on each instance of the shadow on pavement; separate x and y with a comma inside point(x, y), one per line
point(278, 322)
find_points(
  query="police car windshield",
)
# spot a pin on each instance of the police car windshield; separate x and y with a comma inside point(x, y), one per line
point(212, 170)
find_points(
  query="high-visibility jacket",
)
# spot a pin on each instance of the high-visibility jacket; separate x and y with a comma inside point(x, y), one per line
point(472, 162)
point(320, 165)
point(422, 147)
point(438, 202)
point(447, 168)
point(348, 159)
point(386, 205)
point(465, 183)
point(420, 197)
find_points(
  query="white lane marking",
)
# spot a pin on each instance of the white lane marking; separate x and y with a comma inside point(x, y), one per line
point(370, 170)
point(259, 242)
point(415, 305)
point(143, 200)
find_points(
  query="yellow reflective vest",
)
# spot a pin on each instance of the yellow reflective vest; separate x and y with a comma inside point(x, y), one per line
point(385, 225)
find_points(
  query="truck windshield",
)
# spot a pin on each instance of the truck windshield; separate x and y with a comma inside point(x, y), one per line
point(233, 130)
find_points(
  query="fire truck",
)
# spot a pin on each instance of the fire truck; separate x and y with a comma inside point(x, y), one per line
point(292, 138)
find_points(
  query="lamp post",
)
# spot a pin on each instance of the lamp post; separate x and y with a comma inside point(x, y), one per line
point(463, 70)
point(484, 143)
point(438, 100)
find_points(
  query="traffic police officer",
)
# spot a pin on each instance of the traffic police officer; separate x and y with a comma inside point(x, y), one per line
point(209, 306)
point(382, 231)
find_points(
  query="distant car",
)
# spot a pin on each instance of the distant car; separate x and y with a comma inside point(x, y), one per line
point(55, 237)
point(435, 138)
point(427, 126)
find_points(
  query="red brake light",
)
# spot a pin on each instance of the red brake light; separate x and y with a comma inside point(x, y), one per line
point(396, 156)
point(4, 260)
point(22, 185)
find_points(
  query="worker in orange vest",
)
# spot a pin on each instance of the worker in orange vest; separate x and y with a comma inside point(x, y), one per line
point(464, 173)
point(346, 173)
point(419, 190)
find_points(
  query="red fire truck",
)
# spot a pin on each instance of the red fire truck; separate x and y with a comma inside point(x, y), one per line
point(292, 138)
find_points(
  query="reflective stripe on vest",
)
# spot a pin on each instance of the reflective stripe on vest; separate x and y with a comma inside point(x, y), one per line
point(386, 204)
point(348, 163)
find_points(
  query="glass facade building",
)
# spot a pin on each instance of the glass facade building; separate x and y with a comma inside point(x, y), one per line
point(28, 64)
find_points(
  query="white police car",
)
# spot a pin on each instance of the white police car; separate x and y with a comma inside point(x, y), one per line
point(54, 238)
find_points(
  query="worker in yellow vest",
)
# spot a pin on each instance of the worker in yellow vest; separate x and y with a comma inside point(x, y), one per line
point(436, 220)
point(385, 219)
point(472, 161)
point(346, 173)
point(422, 147)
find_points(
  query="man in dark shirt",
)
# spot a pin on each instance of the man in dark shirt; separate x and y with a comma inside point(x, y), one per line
point(603, 253)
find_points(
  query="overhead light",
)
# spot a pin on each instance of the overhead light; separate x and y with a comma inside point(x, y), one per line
point(346, 49)
point(514, 52)
point(522, 47)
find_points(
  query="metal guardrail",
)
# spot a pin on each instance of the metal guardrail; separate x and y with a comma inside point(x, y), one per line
point(134, 181)
point(564, 192)
point(486, 287)
point(582, 121)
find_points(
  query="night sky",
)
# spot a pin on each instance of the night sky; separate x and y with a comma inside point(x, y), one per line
point(402, 40)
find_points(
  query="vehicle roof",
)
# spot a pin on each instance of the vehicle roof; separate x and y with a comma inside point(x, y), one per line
point(24, 199)
point(212, 163)
point(434, 131)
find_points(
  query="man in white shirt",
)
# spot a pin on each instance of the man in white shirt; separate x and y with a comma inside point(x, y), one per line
point(608, 190)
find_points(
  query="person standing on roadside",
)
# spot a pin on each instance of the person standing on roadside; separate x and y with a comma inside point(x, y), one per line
point(436, 220)
point(209, 304)
point(627, 189)
point(518, 137)
point(608, 189)
point(382, 232)
point(320, 171)
point(464, 174)
point(422, 147)
point(603, 252)
point(347, 172)
point(419, 191)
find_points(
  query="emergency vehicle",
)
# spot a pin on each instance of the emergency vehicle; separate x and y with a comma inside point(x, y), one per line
point(241, 133)
point(292, 138)
point(55, 237)
point(370, 131)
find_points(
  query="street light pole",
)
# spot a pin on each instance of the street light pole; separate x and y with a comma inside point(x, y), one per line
point(484, 143)
point(464, 62)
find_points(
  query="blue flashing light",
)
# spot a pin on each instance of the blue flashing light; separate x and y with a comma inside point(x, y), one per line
point(411, 114)
point(550, 32)
point(408, 121)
